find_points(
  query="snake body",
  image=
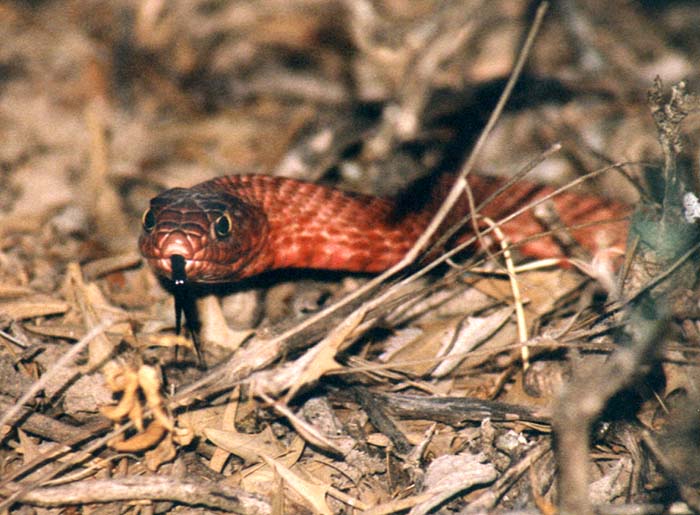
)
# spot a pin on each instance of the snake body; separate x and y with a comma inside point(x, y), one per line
point(235, 227)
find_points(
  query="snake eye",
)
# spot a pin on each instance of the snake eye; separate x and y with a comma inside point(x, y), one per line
point(222, 225)
point(148, 220)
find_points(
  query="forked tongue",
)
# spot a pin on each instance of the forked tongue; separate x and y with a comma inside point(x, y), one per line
point(184, 304)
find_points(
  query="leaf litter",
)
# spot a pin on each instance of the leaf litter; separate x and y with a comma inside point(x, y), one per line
point(382, 405)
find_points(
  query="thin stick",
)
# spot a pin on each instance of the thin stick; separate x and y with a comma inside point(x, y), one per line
point(515, 288)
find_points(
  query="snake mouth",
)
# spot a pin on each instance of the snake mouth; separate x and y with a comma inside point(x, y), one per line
point(188, 270)
point(177, 267)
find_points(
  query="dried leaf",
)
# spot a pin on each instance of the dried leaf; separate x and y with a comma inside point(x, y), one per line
point(447, 476)
point(93, 308)
point(27, 447)
point(305, 430)
point(321, 358)
point(141, 441)
point(313, 493)
point(150, 383)
point(11, 291)
point(23, 309)
point(467, 336)
point(540, 289)
point(228, 419)
point(249, 447)
point(444, 344)
point(66, 331)
point(126, 382)
point(259, 477)
point(163, 453)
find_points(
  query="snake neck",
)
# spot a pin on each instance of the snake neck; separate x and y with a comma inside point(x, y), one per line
point(317, 227)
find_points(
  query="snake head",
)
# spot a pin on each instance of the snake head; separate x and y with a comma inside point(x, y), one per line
point(217, 234)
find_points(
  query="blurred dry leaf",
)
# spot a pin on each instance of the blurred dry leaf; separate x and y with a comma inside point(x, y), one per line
point(321, 358)
point(27, 447)
point(314, 493)
point(307, 431)
point(142, 441)
point(442, 345)
point(250, 447)
point(163, 453)
point(199, 420)
point(10, 291)
point(24, 309)
point(448, 475)
point(260, 477)
point(541, 289)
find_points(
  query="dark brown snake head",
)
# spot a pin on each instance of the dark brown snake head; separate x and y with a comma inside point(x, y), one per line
point(216, 234)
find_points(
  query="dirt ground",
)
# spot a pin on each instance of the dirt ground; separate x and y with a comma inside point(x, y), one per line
point(471, 385)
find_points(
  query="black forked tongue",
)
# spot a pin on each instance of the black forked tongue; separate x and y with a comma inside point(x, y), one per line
point(179, 277)
point(184, 302)
point(177, 263)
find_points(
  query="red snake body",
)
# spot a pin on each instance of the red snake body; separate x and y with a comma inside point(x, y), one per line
point(235, 227)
